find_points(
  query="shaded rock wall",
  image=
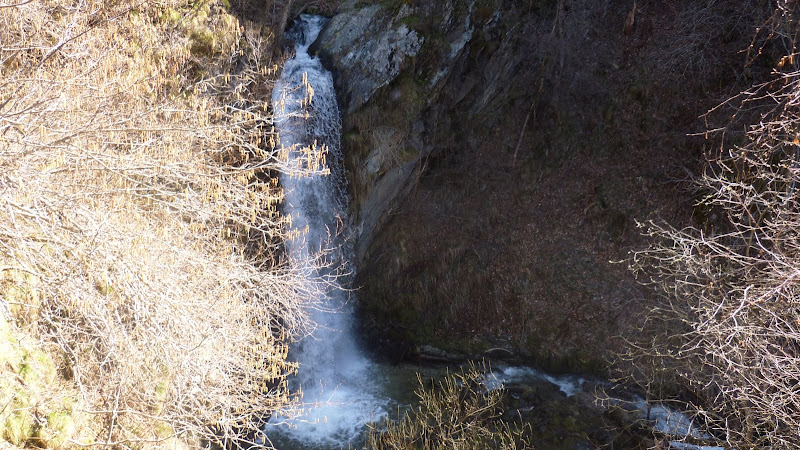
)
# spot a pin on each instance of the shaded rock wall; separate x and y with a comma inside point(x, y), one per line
point(500, 153)
point(384, 91)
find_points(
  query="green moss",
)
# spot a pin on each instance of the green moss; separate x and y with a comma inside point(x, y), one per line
point(60, 426)
point(163, 429)
point(468, 345)
point(36, 368)
point(170, 16)
point(160, 394)
point(410, 21)
point(17, 421)
point(388, 4)
point(27, 375)
point(202, 42)
point(104, 288)
point(161, 390)
point(8, 389)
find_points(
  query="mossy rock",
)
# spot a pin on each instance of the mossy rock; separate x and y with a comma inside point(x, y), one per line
point(170, 16)
point(37, 367)
point(211, 31)
point(16, 420)
point(202, 42)
point(60, 427)
point(30, 387)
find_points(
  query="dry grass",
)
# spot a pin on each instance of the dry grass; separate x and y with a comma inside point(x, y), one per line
point(458, 412)
point(138, 220)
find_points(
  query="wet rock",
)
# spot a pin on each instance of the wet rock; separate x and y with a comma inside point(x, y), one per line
point(556, 420)
point(429, 353)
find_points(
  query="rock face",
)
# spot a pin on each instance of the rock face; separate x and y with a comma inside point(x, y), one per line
point(375, 50)
point(367, 48)
point(499, 153)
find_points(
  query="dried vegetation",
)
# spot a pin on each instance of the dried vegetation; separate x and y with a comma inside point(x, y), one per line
point(728, 331)
point(139, 282)
point(458, 412)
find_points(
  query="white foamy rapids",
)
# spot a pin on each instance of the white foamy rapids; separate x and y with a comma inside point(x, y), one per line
point(340, 390)
point(685, 446)
point(568, 384)
point(670, 421)
point(661, 417)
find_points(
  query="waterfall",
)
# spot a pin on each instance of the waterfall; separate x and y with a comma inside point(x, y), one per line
point(340, 391)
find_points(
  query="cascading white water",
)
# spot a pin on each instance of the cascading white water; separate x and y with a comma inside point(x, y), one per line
point(339, 384)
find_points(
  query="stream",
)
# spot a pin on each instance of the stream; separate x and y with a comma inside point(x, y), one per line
point(344, 390)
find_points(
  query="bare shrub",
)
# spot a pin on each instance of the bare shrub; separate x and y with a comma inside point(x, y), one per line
point(729, 329)
point(459, 412)
point(702, 29)
point(138, 214)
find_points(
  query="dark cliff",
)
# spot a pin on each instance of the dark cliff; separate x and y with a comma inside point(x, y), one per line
point(500, 153)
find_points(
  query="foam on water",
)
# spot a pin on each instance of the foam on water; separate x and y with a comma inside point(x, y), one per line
point(661, 417)
point(568, 384)
point(340, 385)
point(669, 421)
point(685, 446)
